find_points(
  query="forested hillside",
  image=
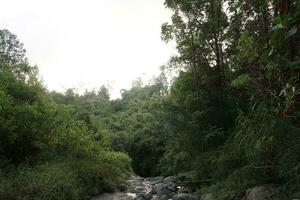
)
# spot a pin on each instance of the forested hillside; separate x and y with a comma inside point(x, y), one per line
point(47, 149)
point(228, 120)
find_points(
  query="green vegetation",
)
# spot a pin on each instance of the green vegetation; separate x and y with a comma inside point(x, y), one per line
point(46, 150)
point(230, 116)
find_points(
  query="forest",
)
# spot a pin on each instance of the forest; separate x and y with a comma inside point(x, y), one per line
point(225, 109)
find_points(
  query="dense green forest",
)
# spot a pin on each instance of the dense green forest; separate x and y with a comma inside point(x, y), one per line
point(230, 116)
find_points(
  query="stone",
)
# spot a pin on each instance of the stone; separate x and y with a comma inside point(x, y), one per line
point(170, 179)
point(144, 196)
point(163, 197)
point(265, 192)
point(184, 196)
point(155, 180)
point(184, 189)
point(168, 189)
point(157, 188)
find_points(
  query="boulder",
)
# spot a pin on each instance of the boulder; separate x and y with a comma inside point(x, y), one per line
point(184, 197)
point(166, 191)
point(157, 188)
point(144, 196)
point(170, 179)
point(163, 197)
point(162, 188)
point(184, 189)
point(155, 180)
point(138, 198)
point(136, 189)
point(265, 192)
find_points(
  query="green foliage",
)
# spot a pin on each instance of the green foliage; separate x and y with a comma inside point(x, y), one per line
point(246, 47)
point(48, 148)
point(289, 169)
point(47, 181)
point(228, 61)
point(11, 51)
point(230, 117)
point(115, 168)
point(142, 122)
point(241, 81)
point(66, 178)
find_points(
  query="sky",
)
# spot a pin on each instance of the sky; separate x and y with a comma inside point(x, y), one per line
point(84, 44)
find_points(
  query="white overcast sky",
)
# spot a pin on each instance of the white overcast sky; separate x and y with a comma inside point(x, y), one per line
point(87, 43)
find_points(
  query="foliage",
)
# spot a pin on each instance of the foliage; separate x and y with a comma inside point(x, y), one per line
point(47, 147)
point(229, 119)
point(232, 111)
point(46, 181)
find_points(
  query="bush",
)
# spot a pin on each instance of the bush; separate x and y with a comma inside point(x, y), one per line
point(68, 178)
point(48, 181)
point(115, 167)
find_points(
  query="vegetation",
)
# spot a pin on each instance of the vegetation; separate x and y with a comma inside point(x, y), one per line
point(46, 150)
point(229, 118)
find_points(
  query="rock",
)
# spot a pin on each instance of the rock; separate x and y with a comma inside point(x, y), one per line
point(148, 196)
point(155, 197)
point(136, 189)
point(144, 196)
point(163, 197)
point(170, 179)
point(157, 188)
point(168, 189)
point(184, 189)
point(138, 198)
point(155, 180)
point(184, 196)
point(208, 196)
point(265, 192)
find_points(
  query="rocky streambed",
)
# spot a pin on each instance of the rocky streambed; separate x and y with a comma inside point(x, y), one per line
point(159, 188)
point(155, 188)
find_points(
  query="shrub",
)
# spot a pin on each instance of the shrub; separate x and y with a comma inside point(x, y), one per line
point(66, 178)
point(48, 181)
point(115, 167)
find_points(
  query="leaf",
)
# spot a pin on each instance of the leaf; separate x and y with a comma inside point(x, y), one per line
point(277, 27)
point(291, 32)
point(271, 52)
point(282, 93)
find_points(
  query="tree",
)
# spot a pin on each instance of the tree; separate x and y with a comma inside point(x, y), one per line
point(11, 50)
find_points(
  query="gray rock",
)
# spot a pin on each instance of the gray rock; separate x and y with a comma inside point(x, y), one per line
point(144, 196)
point(168, 189)
point(184, 196)
point(170, 179)
point(184, 189)
point(155, 180)
point(138, 198)
point(163, 197)
point(148, 196)
point(136, 189)
point(265, 192)
point(155, 197)
point(157, 188)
